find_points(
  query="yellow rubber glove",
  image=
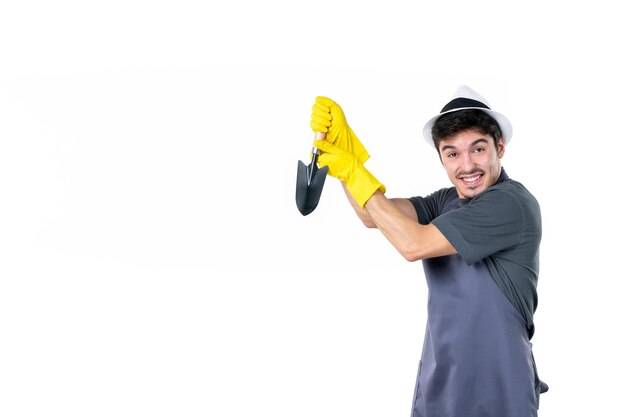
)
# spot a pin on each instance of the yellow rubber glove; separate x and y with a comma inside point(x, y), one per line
point(345, 166)
point(328, 117)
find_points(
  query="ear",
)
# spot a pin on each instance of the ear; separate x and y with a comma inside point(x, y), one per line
point(501, 147)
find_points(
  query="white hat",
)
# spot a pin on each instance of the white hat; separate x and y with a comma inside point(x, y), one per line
point(466, 98)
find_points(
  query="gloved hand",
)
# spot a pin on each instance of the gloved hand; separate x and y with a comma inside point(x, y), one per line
point(346, 167)
point(328, 117)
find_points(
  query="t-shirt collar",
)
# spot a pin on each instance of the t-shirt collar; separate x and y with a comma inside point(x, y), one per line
point(503, 177)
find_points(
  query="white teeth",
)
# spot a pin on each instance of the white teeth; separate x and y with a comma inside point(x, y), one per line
point(471, 179)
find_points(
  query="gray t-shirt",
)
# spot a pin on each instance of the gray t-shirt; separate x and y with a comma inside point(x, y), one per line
point(500, 227)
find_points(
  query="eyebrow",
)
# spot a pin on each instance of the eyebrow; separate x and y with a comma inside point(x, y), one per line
point(477, 141)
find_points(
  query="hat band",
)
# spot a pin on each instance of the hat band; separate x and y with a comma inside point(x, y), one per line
point(461, 102)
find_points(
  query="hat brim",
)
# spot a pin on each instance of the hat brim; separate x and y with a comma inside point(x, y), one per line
point(505, 125)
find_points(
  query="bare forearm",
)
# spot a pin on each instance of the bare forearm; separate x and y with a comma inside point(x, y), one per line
point(361, 213)
point(413, 240)
point(394, 225)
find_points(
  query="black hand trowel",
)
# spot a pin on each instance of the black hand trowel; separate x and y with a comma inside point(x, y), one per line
point(310, 181)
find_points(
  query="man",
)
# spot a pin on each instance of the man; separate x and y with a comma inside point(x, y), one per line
point(479, 242)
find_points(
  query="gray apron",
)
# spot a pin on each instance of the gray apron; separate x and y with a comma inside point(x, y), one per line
point(476, 359)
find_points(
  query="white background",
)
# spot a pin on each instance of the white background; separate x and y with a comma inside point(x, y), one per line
point(153, 261)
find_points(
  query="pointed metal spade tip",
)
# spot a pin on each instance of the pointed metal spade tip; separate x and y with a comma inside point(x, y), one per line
point(302, 187)
point(309, 185)
point(310, 181)
point(308, 195)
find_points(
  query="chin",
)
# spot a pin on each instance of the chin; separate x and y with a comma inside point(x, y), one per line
point(471, 193)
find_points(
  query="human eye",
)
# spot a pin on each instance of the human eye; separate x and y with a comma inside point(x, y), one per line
point(451, 155)
point(479, 149)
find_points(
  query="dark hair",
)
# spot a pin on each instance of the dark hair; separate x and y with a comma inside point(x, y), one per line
point(457, 121)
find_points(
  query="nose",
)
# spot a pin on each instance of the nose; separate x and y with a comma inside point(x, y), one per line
point(467, 163)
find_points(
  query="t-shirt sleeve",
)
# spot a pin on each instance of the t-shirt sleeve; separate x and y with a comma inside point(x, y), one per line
point(490, 223)
point(429, 207)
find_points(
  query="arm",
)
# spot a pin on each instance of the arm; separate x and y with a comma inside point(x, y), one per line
point(413, 240)
point(402, 204)
point(397, 219)
point(398, 223)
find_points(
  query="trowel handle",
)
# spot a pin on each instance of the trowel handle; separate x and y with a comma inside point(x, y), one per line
point(318, 136)
point(314, 154)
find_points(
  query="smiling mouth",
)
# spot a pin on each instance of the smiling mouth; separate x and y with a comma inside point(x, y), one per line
point(471, 180)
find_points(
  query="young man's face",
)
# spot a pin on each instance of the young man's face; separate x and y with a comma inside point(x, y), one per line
point(472, 161)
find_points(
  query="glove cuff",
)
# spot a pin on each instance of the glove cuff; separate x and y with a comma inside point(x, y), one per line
point(362, 185)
